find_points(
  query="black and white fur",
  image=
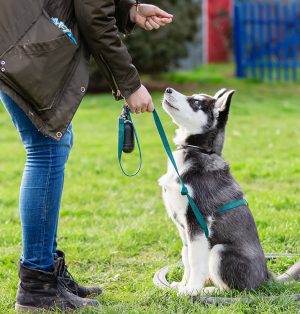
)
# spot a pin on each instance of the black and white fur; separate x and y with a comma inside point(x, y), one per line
point(232, 256)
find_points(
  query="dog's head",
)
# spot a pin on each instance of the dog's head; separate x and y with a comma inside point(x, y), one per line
point(200, 115)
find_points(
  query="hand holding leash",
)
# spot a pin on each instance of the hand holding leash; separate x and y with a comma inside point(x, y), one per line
point(140, 101)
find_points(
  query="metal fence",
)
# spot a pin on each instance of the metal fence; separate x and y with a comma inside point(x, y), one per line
point(267, 39)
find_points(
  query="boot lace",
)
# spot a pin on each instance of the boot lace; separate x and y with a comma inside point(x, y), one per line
point(66, 279)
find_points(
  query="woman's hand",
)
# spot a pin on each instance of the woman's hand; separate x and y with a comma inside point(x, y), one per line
point(140, 101)
point(149, 16)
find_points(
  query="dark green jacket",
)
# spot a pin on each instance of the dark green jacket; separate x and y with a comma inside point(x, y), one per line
point(45, 73)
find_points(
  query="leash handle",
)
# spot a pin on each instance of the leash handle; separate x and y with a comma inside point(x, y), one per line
point(184, 190)
point(121, 143)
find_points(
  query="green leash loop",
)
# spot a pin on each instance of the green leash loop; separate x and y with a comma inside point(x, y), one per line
point(121, 142)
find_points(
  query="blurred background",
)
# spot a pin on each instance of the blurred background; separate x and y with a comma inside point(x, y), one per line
point(260, 39)
point(115, 230)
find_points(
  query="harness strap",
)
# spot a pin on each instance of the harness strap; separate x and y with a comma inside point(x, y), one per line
point(233, 205)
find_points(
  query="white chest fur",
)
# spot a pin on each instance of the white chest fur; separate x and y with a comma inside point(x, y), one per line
point(175, 203)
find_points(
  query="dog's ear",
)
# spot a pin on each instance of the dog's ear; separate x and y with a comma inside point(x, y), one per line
point(220, 93)
point(224, 100)
point(223, 105)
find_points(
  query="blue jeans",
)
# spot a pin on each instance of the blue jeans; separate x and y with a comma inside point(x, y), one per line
point(41, 188)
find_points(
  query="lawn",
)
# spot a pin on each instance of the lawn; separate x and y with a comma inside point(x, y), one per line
point(115, 230)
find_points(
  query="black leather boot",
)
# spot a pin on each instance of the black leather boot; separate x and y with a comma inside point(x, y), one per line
point(68, 281)
point(39, 290)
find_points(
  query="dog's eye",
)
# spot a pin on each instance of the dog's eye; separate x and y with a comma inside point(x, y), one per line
point(196, 104)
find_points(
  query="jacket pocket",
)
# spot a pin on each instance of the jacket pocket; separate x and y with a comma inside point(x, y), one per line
point(39, 69)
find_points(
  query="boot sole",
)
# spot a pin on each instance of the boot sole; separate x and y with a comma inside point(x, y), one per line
point(31, 309)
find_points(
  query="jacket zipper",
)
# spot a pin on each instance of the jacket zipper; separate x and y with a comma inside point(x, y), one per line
point(118, 92)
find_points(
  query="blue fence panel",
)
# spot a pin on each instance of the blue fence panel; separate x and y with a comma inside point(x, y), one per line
point(267, 39)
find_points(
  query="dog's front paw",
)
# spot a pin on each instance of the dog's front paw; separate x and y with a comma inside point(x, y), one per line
point(191, 290)
point(209, 290)
point(175, 284)
point(178, 284)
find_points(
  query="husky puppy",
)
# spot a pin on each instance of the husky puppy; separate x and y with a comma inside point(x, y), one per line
point(232, 256)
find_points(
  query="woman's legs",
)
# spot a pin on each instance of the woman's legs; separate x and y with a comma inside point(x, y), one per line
point(41, 188)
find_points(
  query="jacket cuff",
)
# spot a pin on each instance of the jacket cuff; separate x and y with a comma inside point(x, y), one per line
point(132, 85)
point(125, 25)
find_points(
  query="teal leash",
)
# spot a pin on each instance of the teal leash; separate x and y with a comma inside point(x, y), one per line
point(184, 191)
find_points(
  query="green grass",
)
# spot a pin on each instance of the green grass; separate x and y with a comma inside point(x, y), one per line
point(115, 230)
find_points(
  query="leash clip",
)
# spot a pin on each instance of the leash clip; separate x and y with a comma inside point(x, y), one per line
point(128, 142)
point(124, 113)
point(184, 191)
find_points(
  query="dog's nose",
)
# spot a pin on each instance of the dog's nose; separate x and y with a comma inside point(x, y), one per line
point(169, 90)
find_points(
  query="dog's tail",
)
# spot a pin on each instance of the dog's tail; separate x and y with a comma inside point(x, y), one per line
point(293, 273)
